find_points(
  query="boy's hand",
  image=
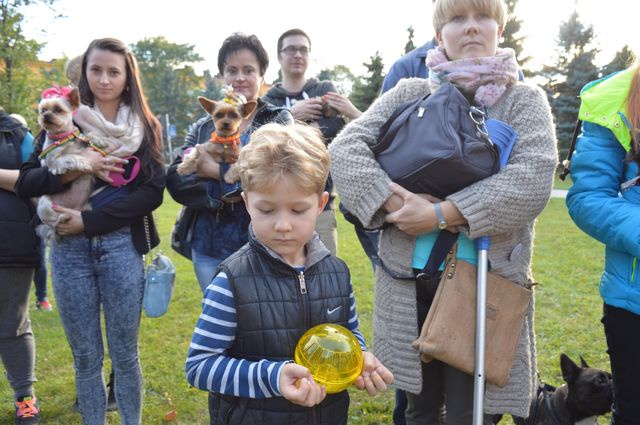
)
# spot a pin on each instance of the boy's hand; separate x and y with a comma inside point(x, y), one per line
point(297, 386)
point(374, 377)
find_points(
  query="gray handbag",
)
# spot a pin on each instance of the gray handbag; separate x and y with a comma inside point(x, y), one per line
point(437, 144)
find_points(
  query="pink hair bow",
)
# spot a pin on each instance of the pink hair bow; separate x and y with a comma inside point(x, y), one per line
point(57, 91)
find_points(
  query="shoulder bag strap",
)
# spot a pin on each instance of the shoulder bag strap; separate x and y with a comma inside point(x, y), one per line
point(572, 146)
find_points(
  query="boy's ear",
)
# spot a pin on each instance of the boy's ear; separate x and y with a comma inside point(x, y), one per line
point(322, 202)
point(207, 104)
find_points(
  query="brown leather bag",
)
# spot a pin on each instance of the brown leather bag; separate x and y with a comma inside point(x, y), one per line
point(448, 333)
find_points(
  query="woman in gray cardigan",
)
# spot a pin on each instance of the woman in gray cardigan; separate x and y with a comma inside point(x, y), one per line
point(503, 206)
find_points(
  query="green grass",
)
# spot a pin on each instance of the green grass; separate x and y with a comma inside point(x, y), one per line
point(566, 264)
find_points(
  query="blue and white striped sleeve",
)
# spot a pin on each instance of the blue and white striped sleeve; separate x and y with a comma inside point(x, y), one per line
point(353, 324)
point(208, 366)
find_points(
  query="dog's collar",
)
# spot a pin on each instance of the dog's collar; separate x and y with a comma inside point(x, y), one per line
point(233, 140)
point(75, 134)
point(60, 136)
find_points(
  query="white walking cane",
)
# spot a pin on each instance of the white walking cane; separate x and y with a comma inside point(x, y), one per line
point(504, 137)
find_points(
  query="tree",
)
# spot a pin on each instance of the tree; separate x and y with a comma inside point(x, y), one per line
point(573, 69)
point(170, 82)
point(409, 46)
point(341, 76)
point(212, 86)
point(19, 85)
point(620, 61)
point(511, 38)
point(367, 88)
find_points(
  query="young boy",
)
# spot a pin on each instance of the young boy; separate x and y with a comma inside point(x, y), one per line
point(272, 290)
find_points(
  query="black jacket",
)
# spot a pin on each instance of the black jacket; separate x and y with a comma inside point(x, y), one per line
point(312, 88)
point(145, 195)
point(272, 314)
point(19, 245)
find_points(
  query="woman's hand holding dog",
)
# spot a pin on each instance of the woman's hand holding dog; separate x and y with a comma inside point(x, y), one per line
point(70, 222)
point(374, 376)
point(103, 165)
point(297, 386)
point(207, 167)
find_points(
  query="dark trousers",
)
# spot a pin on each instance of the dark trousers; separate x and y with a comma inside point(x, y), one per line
point(622, 329)
point(40, 273)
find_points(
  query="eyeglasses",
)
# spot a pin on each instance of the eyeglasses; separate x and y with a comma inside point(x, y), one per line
point(292, 50)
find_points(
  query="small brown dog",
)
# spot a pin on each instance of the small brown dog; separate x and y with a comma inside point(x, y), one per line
point(61, 152)
point(224, 144)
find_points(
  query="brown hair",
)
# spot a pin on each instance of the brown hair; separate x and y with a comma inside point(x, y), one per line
point(238, 41)
point(633, 108)
point(445, 10)
point(133, 96)
point(277, 150)
point(289, 33)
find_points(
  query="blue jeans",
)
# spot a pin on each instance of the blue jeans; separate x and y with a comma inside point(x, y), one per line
point(205, 268)
point(87, 274)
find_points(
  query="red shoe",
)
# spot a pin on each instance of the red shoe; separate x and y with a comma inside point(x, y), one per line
point(44, 305)
point(27, 411)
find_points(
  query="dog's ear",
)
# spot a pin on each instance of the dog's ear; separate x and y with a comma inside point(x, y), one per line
point(570, 370)
point(207, 104)
point(74, 98)
point(248, 108)
point(583, 363)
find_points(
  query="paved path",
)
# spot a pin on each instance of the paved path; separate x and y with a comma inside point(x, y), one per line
point(559, 193)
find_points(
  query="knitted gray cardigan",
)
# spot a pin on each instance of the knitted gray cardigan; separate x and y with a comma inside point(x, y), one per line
point(503, 206)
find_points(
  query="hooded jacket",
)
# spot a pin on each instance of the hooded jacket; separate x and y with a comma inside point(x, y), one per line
point(597, 202)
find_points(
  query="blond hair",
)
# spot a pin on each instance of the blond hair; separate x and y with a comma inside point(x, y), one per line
point(445, 10)
point(276, 151)
point(633, 106)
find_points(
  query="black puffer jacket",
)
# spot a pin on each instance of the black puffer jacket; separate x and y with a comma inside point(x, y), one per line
point(19, 244)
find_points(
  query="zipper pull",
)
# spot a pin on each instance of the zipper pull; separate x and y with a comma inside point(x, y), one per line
point(303, 284)
point(420, 112)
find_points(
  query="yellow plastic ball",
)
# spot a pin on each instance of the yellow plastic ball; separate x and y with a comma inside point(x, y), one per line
point(332, 354)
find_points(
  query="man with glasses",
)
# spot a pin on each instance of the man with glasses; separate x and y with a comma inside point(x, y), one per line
point(315, 102)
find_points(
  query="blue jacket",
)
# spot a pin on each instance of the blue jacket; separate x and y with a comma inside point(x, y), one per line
point(408, 66)
point(596, 201)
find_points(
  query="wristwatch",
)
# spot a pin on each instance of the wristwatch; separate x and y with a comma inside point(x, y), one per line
point(442, 223)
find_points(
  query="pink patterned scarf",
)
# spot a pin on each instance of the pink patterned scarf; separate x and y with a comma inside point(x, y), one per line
point(487, 77)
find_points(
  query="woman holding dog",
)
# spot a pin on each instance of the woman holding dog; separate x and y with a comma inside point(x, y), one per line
point(603, 202)
point(503, 206)
point(219, 221)
point(96, 258)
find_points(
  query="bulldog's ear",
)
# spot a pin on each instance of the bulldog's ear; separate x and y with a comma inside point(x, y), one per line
point(570, 370)
point(583, 363)
point(207, 104)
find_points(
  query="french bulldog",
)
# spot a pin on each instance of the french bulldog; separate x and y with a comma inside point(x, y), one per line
point(586, 394)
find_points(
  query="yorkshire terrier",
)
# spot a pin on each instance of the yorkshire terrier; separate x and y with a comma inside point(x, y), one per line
point(61, 152)
point(224, 144)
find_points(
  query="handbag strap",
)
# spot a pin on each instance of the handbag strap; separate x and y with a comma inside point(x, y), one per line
point(566, 164)
point(147, 235)
point(441, 248)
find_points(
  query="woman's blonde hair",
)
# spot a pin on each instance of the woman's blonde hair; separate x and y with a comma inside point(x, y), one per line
point(633, 102)
point(276, 151)
point(445, 10)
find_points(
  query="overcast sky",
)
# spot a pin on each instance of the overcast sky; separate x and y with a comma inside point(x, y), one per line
point(344, 32)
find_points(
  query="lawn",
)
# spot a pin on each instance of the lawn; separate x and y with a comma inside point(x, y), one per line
point(566, 265)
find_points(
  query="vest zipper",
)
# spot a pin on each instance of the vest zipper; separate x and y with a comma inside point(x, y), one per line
point(303, 284)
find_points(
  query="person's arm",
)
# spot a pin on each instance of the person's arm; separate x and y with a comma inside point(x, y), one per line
point(208, 365)
point(593, 202)
point(192, 190)
point(517, 194)
point(354, 325)
point(122, 212)
point(361, 182)
point(8, 179)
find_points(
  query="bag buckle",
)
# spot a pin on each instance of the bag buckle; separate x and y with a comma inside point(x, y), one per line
point(478, 116)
